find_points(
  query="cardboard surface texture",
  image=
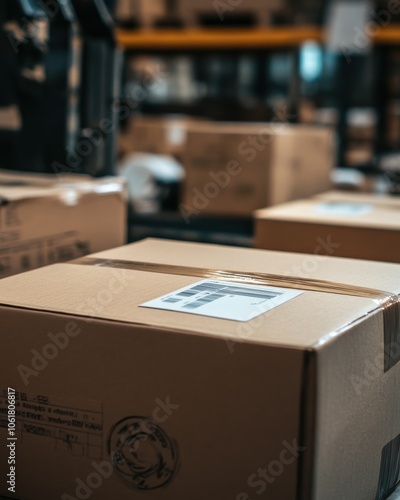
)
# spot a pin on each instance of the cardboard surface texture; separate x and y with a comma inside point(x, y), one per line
point(43, 220)
point(115, 400)
point(158, 135)
point(360, 226)
point(234, 169)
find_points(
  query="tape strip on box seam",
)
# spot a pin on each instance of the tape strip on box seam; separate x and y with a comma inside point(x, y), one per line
point(387, 302)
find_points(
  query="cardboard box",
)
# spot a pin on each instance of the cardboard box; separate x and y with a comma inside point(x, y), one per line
point(158, 135)
point(146, 12)
point(43, 221)
point(362, 226)
point(114, 399)
point(359, 154)
point(234, 169)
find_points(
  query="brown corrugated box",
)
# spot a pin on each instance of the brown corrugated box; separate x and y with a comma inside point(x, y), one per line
point(234, 169)
point(43, 221)
point(362, 226)
point(158, 135)
point(146, 12)
point(114, 400)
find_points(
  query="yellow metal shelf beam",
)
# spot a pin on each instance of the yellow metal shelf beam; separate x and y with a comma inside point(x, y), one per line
point(389, 35)
point(232, 39)
point(227, 39)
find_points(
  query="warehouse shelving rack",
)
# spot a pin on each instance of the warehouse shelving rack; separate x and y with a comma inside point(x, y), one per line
point(258, 41)
point(215, 39)
point(264, 40)
point(161, 40)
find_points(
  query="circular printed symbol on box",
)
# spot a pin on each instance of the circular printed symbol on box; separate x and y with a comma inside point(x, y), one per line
point(142, 453)
point(344, 208)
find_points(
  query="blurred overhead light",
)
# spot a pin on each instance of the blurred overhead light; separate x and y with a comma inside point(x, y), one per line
point(310, 61)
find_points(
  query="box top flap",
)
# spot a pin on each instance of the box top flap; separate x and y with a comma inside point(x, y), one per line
point(264, 128)
point(348, 196)
point(382, 276)
point(338, 211)
point(22, 187)
point(16, 178)
point(116, 294)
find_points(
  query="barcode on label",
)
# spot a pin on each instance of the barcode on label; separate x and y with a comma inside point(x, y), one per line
point(219, 299)
point(204, 300)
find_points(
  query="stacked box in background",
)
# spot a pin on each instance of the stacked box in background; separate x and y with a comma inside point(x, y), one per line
point(302, 403)
point(144, 12)
point(361, 130)
point(234, 169)
point(43, 221)
point(158, 135)
point(359, 226)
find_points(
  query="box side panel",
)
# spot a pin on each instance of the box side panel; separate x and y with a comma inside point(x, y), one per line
point(148, 136)
point(41, 231)
point(225, 174)
point(301, 164)
point(358, 412)
point(351, 242)
point(182, 416)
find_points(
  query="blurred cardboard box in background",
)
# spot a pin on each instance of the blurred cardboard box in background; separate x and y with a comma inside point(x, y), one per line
point(234, 169)
point(43, 220)
point(143, 12)
point(158, 135)
point(362, 226)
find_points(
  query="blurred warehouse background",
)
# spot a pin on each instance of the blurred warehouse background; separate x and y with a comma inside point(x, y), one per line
point(171, 94)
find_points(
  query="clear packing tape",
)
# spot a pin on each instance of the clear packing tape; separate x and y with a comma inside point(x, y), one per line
point(387, 302)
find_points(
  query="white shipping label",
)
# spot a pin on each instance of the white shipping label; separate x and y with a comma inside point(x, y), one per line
point(225, 300)
point(344, 208)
